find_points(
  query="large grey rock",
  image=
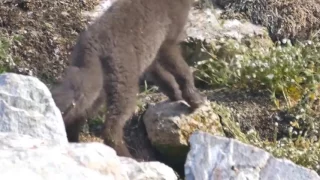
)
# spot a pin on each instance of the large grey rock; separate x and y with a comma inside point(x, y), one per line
point(205, 24)
point(169, 125)
point(22, 156)
point(27, 107)
point(35, 158)
point(33, 141)
point(213, 157)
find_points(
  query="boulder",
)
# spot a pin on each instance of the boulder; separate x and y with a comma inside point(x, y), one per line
point(41, 159)
point(205, 25)
point(169, 125)
point(27, 107)
point(216, 157)
point(33, 141)
point(26, 156)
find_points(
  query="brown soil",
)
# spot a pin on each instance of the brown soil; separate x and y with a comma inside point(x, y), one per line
point(250, 110)
point(46, 30)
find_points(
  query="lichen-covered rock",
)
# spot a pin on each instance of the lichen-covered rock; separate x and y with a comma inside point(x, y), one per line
point(146, 170)
point(214, 157)
point(27, 107)
point(169, 125)
point(205, 24)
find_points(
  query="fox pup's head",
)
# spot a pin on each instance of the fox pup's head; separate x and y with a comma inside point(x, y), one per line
point(67, 94)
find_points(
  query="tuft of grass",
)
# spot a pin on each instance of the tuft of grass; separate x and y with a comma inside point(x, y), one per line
point(6, 60)
point(301, 150)
point(4, 54)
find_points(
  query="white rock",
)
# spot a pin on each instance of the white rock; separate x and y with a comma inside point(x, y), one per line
point(24, 156)
point(39, 160)
point(147, 170)
point(213, 157)
point(205, 24)
point(27, 107)
point(33, 141)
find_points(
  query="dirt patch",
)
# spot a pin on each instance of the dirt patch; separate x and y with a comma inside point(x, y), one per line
point(135, 132)
point(293, 19)
point(253, 111)
point(136, 136)
point(46, 31)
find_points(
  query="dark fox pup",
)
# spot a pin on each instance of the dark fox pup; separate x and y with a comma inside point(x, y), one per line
point(131, 38)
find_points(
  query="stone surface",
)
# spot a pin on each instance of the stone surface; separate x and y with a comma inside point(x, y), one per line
point(33, 141)
point(169, 124)
point(146, 170)
point(27, 107)
point(43, 160)
point(205, 24)
point(39, 159)
point(215, 157)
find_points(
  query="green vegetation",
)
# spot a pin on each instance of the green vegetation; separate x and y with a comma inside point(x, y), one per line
point(7, 62)
point(288, 70)
point(301, 150)
point(4, 53)
point(289, 73)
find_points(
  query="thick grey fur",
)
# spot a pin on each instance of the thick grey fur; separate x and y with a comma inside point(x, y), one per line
point(133, 37)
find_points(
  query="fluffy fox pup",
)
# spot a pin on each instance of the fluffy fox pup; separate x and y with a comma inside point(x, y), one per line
point(131, 38)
